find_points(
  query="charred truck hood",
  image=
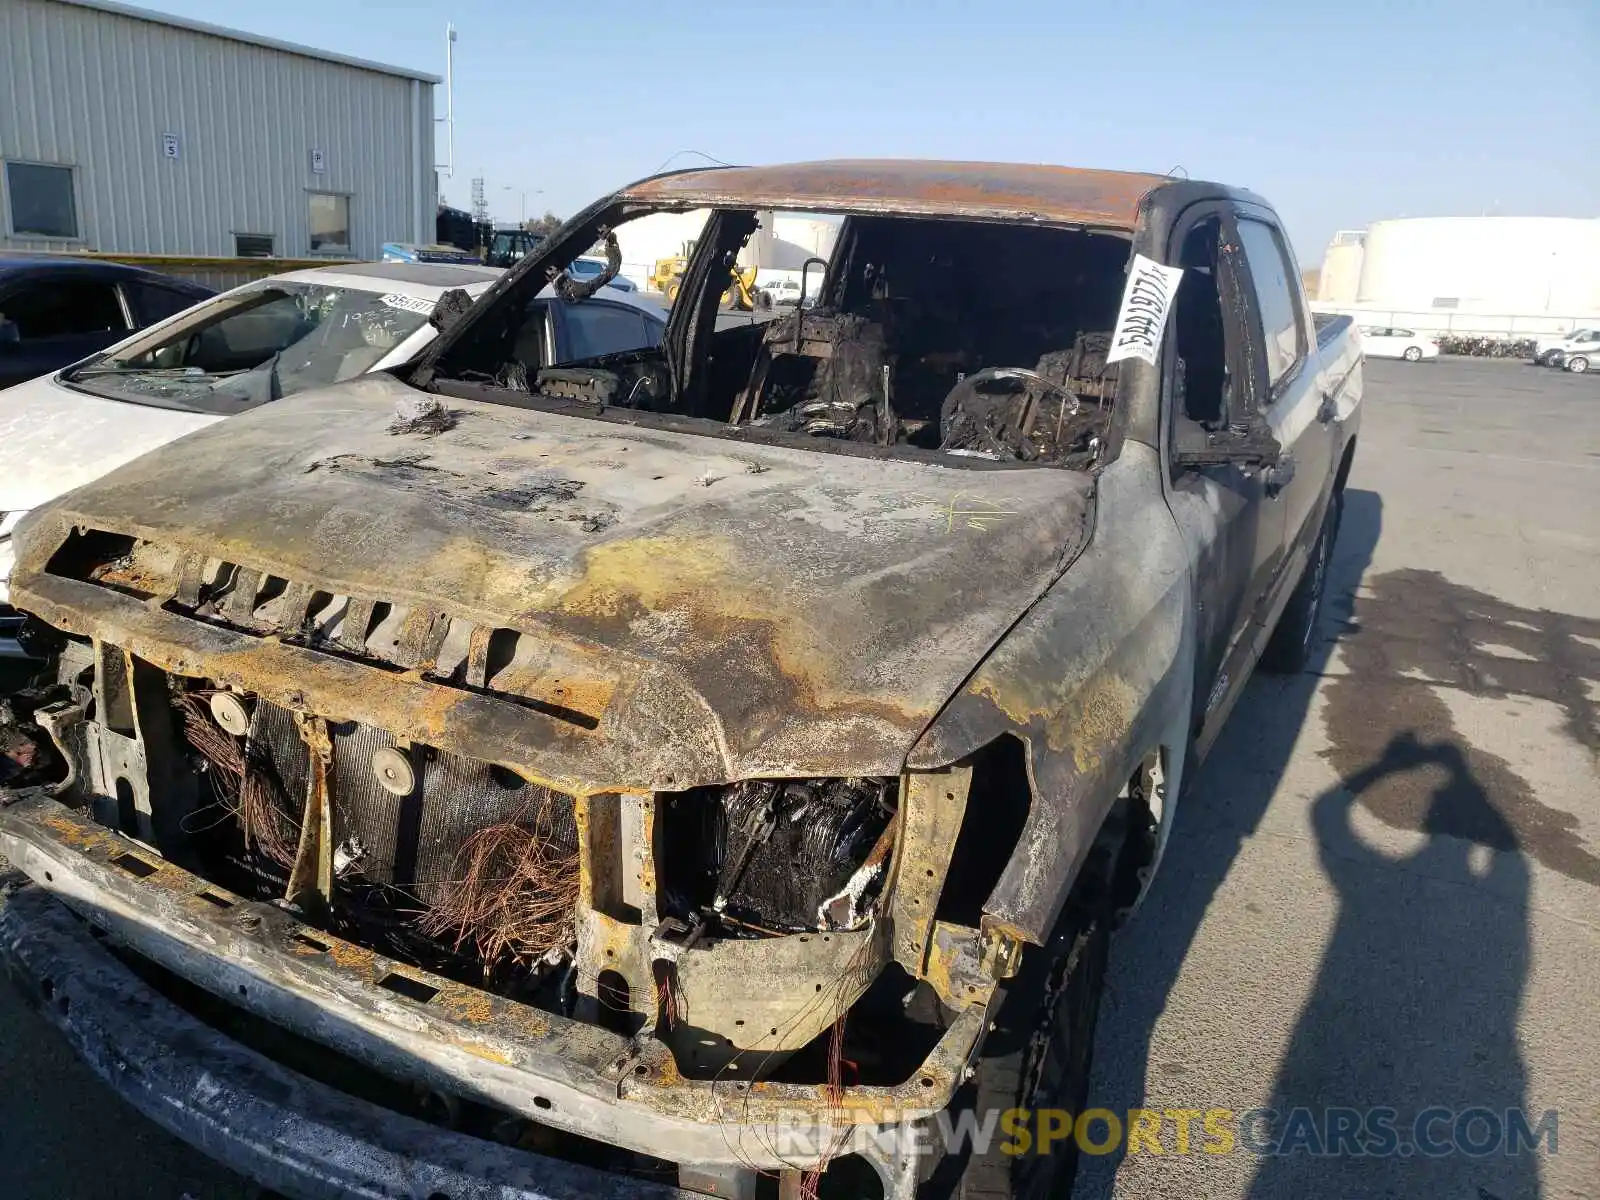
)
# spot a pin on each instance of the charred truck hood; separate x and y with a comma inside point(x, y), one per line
point(652, 609)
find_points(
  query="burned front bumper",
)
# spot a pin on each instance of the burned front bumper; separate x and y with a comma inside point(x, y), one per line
point(285, 1131)
point(434, 1033)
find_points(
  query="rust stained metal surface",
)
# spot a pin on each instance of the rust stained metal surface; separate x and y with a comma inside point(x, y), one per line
point(1094, 678)
point(955, 966)
point(737, 1003)
point(933, 807)
point(804, 614)
point(464, 1040)
point(1060, 195)
point(264, 1121)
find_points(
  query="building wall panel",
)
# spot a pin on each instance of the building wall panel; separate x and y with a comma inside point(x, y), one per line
point(96, 90)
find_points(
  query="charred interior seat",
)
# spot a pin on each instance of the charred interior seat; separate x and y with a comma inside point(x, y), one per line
point(821, 373)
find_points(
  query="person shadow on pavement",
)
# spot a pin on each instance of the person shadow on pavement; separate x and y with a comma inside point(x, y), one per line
point(1416, 1000)
point(1218, 811)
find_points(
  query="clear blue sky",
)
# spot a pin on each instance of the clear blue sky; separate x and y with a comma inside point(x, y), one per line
point(1340, 114)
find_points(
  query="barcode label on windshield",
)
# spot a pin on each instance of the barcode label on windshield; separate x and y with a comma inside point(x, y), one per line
point(414, 304)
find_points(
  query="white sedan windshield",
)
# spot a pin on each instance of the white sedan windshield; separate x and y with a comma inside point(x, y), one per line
point(270, 341)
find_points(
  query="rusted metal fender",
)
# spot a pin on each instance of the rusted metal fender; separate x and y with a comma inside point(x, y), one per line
point(1097, 675)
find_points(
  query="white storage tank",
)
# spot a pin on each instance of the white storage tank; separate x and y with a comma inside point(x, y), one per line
point(1525, 265)
point(1340, 278)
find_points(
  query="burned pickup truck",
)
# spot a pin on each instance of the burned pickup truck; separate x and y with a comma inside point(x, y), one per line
point(712, 769)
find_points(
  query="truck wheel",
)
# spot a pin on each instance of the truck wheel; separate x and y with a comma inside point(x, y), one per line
point(1578, 364)
point(1412, 354)
point(1037, 1058)
point(1289, 649)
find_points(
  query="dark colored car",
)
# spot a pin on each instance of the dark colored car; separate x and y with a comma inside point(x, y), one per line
point(56, 310)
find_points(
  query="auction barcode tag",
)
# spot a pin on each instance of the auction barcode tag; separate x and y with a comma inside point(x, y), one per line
point(1146, 301)
point(414, 304)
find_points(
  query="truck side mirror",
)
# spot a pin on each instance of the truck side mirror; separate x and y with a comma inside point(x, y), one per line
point(1247, 445)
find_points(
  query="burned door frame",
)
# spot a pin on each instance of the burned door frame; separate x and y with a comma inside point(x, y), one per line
point(693, 319)
point(1292, 409)
point(1222, 510)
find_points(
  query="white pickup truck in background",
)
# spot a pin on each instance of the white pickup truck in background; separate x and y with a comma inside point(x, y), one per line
point(1553, 351)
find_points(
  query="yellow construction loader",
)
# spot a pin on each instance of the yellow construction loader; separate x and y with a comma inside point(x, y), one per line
point(741, 294)
point(744, 295)
point(667, 275)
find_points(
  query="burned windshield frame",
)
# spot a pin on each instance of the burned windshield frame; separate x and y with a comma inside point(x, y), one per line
point(1048, 366)
point(520, 286)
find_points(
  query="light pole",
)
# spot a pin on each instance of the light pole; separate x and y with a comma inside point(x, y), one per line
point(524, 193)
point(449, 118)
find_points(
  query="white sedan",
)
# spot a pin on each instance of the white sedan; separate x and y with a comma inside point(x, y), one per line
point(247, 347)
point(1383, 342)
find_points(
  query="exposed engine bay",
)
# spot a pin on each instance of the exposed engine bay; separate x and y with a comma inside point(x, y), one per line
point(958, 338)
point(610, 908)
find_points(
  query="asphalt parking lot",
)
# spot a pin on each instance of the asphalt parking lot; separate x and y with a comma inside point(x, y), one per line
point(1383, 888)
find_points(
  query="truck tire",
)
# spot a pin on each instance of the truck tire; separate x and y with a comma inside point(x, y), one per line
point(1036, 1057)
point(1289, 648)
point(1578, 363)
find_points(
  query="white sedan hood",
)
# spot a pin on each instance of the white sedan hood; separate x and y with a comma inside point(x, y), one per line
point(52, 438)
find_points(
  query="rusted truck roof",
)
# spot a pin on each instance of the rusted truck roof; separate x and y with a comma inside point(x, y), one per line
point(1070, 195)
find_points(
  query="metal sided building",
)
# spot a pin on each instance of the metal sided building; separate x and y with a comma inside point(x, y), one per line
point(125, 131)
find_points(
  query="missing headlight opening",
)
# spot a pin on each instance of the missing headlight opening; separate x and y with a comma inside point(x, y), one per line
point(768, 857)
